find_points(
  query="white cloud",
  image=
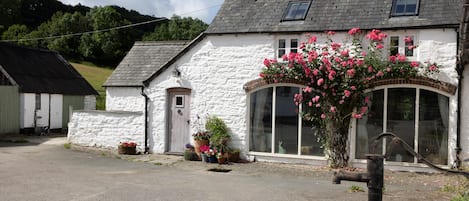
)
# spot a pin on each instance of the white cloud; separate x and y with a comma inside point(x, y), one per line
point(202, 9)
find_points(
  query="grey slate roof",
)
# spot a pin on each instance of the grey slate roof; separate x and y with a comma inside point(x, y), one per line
point(41, 71)
point(143, 60)
point(253, 16)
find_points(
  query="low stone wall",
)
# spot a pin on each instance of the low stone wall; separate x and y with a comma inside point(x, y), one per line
point(106, 129)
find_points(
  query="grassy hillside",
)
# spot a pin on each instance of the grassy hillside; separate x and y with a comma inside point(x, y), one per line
point(96, 76)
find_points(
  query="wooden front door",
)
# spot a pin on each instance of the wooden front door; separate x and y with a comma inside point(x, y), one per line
point(178, 119)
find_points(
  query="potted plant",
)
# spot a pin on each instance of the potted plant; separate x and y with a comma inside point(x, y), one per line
point(200, 138)
point(129, 148)
point(218, 130)
point(189, 153)
point(221, 158)
point(233, 155)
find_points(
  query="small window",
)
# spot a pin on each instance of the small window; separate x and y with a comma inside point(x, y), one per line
point(38, 101)
point(285, 46)
point(403, 45)
point(296, 11)
point(179, 101)
point(405, 7)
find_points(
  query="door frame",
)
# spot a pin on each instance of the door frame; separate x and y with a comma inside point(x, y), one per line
point(168, 114)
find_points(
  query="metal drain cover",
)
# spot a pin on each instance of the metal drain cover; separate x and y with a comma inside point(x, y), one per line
point(219, 170)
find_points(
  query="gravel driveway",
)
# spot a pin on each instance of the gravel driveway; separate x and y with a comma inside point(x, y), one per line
point(44, 170)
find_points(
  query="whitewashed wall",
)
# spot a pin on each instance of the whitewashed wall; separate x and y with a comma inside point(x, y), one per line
point(216, 70)
point(106, 129)
point(124, 99)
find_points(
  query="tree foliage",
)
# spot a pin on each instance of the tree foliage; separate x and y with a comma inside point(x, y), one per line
point(177, 28)
point(28, 20)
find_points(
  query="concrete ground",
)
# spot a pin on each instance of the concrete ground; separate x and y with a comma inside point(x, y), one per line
point(42, 169)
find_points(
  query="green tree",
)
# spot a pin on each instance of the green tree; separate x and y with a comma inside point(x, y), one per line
point(10, 12)
point(15, 32)
point(177, 28)
point(108, 46)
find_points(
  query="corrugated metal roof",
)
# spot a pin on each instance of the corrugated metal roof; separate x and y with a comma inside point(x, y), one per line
point(253, 16)
point(42, 71)
point(144, 59)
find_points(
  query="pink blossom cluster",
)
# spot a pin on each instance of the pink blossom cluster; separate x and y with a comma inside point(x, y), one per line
point(336, 74)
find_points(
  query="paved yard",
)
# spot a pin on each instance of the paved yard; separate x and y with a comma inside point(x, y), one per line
point(44, 170)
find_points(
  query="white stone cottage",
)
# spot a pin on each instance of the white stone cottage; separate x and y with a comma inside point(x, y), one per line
point(218, 74)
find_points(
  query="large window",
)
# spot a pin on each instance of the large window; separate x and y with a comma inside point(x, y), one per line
point(275, 125)
point(418, 116)
point(405, 7)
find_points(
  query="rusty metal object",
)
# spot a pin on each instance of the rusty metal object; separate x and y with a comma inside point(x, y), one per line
point(398, 141)
point(374, 177)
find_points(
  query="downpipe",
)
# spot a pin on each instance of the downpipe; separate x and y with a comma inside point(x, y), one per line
point(147, 148)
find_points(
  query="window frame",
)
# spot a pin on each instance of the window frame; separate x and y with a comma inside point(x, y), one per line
point(289, 9)
point(418, 88)
point(288, 45)
point(273, 126)
point(402, 47)
point(394, 13)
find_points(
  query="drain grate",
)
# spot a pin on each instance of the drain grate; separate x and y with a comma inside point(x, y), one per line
point(219, 170)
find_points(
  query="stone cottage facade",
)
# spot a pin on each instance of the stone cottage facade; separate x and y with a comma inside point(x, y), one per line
point(218, 74)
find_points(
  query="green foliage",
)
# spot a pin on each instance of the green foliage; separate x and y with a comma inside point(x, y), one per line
point(177, 28)
point(355, 188)
point(67, 145)
point(218, 131)
point(460, 188)
point(15, 32)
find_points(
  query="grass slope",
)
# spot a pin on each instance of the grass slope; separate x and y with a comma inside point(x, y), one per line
point(96, 76)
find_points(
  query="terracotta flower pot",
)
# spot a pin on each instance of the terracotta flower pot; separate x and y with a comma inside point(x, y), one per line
point(126, 150)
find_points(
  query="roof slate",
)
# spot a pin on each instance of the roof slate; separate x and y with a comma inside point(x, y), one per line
point(143, 59)
point(260, 16)
point(42, 71)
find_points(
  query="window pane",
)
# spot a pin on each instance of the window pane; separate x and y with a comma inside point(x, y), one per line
point(281, 43)
point(281, 52)
point(286, 121)
point(433, 127)
point(310, 144)
point(370, 126)
point(38, 101)
point(401, 121)
point(296, 11)
point(294, 43)
point(394, 45)
point(261, 121)
point(409, 52)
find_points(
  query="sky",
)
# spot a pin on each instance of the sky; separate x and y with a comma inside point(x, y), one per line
point(202, 9)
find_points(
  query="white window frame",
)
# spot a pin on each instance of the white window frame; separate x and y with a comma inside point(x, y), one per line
point(288, 45)
point(300, 125)
point(353, 131)
point(401, 48)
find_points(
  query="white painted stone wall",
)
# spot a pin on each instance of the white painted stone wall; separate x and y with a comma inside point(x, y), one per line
point(90, 102)
point(106, 129)
point(217, 68)
point(124, 99)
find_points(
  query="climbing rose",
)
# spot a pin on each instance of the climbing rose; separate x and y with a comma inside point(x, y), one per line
point(353, 31)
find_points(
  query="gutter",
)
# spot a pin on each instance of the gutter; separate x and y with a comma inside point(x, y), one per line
point(147, 148)
point(459, 70)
